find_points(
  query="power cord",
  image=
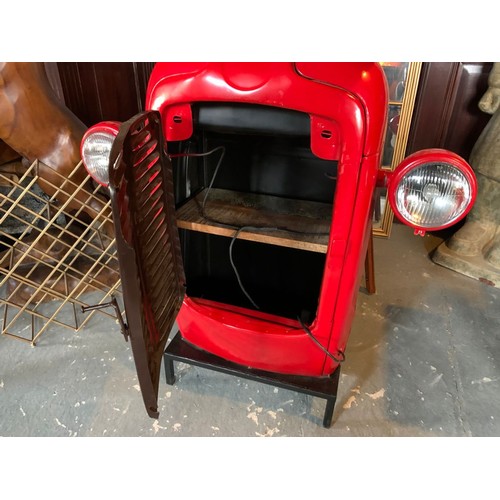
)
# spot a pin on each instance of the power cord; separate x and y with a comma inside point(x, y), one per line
point(318, 343)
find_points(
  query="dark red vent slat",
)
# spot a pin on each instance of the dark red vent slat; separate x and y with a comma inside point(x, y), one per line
point(148, 245)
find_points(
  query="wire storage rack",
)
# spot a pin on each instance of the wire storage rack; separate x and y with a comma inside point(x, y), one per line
point(55, 258)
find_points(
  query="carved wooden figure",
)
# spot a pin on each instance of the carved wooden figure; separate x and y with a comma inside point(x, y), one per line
point(37, 125)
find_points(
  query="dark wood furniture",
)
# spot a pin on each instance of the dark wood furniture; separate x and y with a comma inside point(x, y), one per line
point(446, 114)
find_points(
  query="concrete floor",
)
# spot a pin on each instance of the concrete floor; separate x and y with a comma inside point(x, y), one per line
point(421, 361)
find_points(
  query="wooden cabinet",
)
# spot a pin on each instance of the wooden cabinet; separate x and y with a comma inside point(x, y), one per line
point(104, 91)
point(446, 111)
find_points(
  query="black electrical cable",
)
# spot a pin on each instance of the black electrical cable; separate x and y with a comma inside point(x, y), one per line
point(207, 191)
point(233, 265)
point(318, 343)
point(207, 153)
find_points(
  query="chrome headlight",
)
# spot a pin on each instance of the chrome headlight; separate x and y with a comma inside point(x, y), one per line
point(432, 189)
point(96, 149)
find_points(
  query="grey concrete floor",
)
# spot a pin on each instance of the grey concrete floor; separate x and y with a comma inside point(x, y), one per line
point(422, 360)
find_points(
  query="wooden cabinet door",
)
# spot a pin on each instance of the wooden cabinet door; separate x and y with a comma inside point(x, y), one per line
point(446, 113)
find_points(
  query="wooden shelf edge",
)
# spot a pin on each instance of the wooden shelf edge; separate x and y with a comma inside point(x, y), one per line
point(234, 215)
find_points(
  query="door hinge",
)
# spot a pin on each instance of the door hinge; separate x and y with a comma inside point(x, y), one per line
point(113, 303)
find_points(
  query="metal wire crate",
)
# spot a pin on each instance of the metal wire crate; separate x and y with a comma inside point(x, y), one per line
point(54, 258)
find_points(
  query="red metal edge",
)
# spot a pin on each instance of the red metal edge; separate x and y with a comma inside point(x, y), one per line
point(111, 127)
point(418, 159)
point(313, 88)
point(249, 339)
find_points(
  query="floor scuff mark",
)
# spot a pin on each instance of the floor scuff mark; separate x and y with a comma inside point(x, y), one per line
point(349, 402)
point(157, 427)
point(59, 423)
point(253, 415)
point(436, 380)
point(269, 432)
point(376, 395)
point(484, 380)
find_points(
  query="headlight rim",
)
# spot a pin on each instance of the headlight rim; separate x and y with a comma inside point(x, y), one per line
point(427, 157)
point(107, 127)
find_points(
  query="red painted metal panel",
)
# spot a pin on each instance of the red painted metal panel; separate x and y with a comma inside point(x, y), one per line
point(349, 102)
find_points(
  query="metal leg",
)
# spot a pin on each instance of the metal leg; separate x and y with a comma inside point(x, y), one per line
point(169, 370)
point(321, 387)
point(330, 401)
point(327, 418)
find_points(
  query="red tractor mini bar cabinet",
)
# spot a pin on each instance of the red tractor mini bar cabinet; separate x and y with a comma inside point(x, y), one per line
point(242, 204)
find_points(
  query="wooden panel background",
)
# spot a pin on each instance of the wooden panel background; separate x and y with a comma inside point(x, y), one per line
point(446, 113)
point(104, 91)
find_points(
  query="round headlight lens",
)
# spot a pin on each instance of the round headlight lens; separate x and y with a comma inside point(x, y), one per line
point(96, 149)
point(433, 195)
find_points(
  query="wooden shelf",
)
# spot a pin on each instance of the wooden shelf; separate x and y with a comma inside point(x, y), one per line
point(290, 223)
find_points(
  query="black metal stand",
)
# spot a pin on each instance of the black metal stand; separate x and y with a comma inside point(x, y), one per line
point(321, 387)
